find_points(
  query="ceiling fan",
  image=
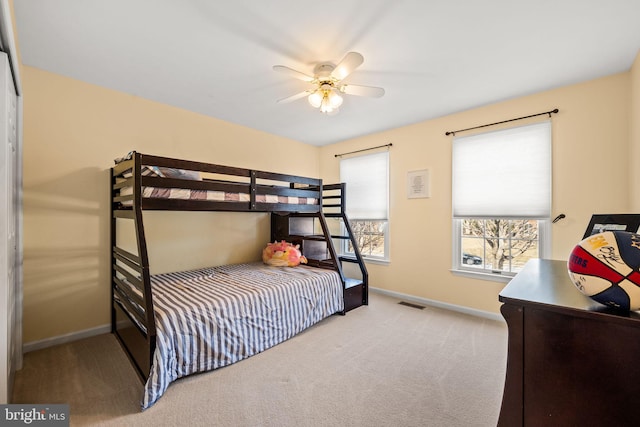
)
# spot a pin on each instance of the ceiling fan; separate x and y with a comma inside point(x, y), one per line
point(326, 83)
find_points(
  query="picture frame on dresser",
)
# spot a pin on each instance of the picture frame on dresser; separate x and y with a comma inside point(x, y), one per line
point(612, 222)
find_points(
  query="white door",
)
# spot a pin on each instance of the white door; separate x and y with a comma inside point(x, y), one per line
point(8, 209)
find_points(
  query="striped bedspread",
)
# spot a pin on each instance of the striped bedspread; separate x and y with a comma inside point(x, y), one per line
point(213, 317)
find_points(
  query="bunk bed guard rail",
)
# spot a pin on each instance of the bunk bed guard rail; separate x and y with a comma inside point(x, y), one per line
point(173, 184)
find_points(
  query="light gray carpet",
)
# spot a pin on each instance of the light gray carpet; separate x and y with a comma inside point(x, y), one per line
point(381, 365)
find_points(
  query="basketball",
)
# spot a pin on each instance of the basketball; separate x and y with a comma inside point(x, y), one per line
point(605, 267)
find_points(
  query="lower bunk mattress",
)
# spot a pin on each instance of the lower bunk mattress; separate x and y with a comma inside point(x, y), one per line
point(213, 317)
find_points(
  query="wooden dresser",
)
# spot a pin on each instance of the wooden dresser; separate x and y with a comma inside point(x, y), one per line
point(571, 361)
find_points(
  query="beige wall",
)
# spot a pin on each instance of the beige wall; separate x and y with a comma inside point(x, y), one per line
point(634, 137)
point(73, 130)
point(72, 133)
point(590, 175)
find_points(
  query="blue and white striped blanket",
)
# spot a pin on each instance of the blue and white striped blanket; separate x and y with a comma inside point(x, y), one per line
point(213, 317)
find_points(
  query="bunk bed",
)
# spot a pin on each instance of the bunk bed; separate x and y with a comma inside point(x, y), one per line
point(175, 324)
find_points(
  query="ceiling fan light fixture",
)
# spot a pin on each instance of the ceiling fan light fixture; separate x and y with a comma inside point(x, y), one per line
point(315, 99)
point(333, 112)
point(327, 87)
point(331, 101)
point(326, 99)
point(335, 99)
point(326, 107)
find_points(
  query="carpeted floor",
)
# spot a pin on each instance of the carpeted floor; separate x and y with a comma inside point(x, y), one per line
point(382, 365)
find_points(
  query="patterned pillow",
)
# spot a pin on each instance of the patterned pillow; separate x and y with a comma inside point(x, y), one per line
point(179, 173)
point(144, 171)
point(162, 172)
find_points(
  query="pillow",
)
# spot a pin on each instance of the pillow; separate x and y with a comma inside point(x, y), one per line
point(144, 169)
point(166, 173)
point(179, 173)
point(162, 172)
point(282, 254)
point(123, 158)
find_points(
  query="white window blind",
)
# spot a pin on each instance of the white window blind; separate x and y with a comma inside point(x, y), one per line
point(503, 174)
point(367, 179)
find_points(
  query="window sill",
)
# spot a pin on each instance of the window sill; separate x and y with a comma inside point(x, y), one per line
point(504, 278)
point(381, 261)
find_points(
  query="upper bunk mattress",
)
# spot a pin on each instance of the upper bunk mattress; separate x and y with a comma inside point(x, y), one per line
point(217, 196)
point(213, 317)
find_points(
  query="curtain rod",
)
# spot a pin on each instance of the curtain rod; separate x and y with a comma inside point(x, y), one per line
point(364, 149)
point(499, 123)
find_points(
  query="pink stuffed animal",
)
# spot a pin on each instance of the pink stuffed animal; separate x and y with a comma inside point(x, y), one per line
point(282, 254)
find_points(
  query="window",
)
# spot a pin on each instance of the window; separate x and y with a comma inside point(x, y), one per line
point(501, 192)
point(371, 237)
point(367, 200)
point(498, 245)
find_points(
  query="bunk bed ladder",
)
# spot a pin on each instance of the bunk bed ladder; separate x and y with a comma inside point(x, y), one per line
point(132, 317)
point(316, 237)
point(334, 207)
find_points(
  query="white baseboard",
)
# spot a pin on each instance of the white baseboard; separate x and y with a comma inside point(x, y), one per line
point(439, 304)
point(62, 339)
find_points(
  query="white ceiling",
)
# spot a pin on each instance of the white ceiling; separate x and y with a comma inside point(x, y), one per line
point(433, 57)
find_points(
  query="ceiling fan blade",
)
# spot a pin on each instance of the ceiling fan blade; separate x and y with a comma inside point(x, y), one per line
point(371, 91)
point(293, 73)
point(350, 62)
point(294, 97)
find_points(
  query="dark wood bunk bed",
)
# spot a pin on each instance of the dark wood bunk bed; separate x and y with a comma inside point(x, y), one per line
point(299, 208)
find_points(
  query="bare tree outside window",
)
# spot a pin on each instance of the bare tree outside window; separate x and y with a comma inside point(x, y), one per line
point(369, 237)
point(499, 244)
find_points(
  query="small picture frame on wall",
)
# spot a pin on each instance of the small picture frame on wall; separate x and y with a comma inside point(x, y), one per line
point(418, 184)
point(612, 222)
